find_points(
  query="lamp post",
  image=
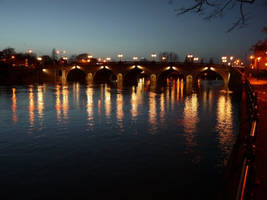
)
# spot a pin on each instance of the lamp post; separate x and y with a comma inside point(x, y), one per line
point(120, 56)
point(258, 67)
point(153, 55)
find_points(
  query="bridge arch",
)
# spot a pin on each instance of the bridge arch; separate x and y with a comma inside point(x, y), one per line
point(170, 73)
point(214, 73)
point(75, 74)
point(104, 75)
point(133, 74)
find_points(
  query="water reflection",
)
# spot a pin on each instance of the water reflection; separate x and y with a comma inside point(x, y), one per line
point(190, 120)
point(40, 101)
point(90, 105)
point(224, 125)
point(58, 102)
point(164, 126)
point(31, 106)
point(107, 100)
point(152, 111)
point(65, 101)
point(137, 97)
point(76, 94)
point(162, 108)
point(119, 110)
point(14, 106)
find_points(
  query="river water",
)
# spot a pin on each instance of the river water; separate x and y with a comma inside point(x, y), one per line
point(99, 142)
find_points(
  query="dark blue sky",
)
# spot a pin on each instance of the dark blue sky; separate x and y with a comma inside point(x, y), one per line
point(133, 27)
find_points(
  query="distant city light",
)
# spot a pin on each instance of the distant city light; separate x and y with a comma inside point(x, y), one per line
point(224, 59)
point(196, 59)
point(30, 51)
point(108, 59)
point(39, 58)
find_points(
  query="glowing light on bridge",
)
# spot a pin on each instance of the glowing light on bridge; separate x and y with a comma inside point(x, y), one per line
point(120, 56)
point(135, 58)
point(190, 56)
point(196, 59)
point(153, 55)
point(76, 67)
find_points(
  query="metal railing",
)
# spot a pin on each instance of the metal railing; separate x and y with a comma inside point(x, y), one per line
point(248, 161)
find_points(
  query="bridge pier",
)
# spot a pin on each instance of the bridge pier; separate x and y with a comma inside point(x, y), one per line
point(89, 78)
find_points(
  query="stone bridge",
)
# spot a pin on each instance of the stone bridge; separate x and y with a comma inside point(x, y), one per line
point(154, 71)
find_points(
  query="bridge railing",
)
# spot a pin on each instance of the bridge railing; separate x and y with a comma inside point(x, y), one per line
point(247, 172)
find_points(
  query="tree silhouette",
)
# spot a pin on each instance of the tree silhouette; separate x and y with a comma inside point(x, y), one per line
point(210, 9)
point(169, 56)
point(8, 51)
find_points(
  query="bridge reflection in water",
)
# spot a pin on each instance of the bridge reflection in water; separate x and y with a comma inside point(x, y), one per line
point(179, 130)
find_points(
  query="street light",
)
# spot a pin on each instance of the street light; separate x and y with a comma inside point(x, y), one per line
point(120, 56)
point(153, 55)
point(135, 58)
point(39, 58)
point(163, 58)
point(196, 59)
point(258, 66)
point(30, 51)
point(224, 59)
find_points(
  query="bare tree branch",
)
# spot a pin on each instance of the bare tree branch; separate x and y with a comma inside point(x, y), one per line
point(216, 8)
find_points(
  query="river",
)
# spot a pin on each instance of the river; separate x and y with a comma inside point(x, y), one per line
point(99, 142)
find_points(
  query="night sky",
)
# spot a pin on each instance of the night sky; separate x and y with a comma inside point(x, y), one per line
point(133, 27)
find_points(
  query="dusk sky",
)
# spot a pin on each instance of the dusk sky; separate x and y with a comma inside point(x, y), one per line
point(133, 27)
